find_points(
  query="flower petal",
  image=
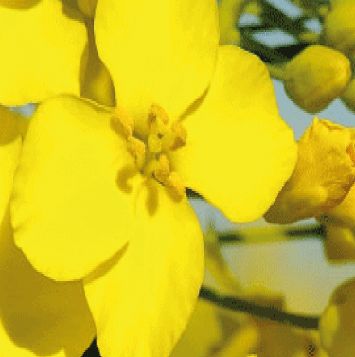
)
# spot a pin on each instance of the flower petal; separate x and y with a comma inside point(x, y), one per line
point(69, 213)
point(96, 82)
point(39, 317)
point(141, 300)
point(11, 129)
point(41, 52)
point(157, 51)
point(239, 152)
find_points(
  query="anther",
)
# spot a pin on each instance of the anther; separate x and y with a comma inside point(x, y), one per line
point(137, 148)
point(154, 143)
point(175, 185)
point(178, 136)
point(125, 121)
point(157, 113)
point(162, 169)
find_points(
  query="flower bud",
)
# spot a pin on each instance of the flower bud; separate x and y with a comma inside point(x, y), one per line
point(339, 26)
point(323, 175)
point(337, 324)
point(316, 76)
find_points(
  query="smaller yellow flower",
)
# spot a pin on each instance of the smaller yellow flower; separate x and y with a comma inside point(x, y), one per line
point(316, 76)
point(323, 175)
point(339, 26)
point(337, 324)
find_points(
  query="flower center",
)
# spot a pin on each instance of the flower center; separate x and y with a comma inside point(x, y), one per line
point(151, 155)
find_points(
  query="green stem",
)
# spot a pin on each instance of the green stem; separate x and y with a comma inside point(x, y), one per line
point(277, 71)
point(264, 312)
point(273, 233)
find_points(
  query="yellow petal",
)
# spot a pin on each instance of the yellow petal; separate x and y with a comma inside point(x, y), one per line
point(41, 52)
point(11, 129)
point(344, 213)
point(69, 212)
point(39, 317)
point(239, 152)
point(141, 300)
point(337, 324)
point(340, 243)
point(96, 82)
point(324, 173)
point(157, 51)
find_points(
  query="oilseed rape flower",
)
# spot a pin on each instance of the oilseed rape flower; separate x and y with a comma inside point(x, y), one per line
point(323, 175)
point(38, 317)
point(99, 194)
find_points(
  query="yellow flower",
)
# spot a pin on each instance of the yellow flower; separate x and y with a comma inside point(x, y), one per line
point(316, 76)
point(337, 324)
point(38, 317)
point(323, 175)
point(100, 193)
point(42, 43)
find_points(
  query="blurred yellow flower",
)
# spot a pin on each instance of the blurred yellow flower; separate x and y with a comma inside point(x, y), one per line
point(100, 193)
point(337, 325)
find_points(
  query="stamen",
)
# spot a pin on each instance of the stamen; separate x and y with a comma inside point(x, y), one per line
point(175, 185)
point(162, 169)
point(154, 143)
point(125, 121)
point(137, 148)
point(178, 136)
point(157, 113)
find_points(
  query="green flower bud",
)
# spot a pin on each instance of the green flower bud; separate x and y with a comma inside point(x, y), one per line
point(316, 76)
point(339, 26)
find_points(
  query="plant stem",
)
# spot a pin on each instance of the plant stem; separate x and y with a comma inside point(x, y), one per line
point(264, 312)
